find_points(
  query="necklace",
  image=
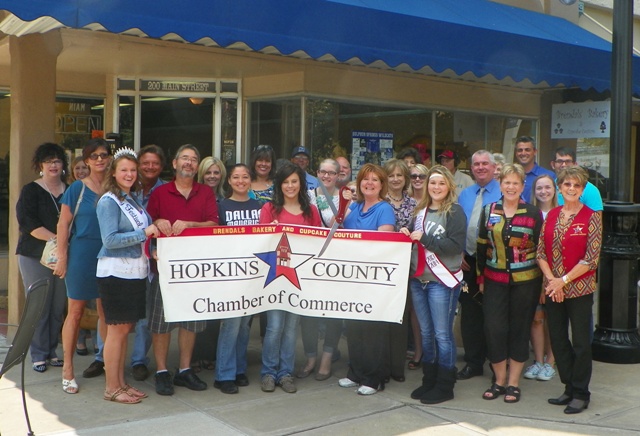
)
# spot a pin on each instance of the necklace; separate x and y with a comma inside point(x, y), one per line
point(398, 200)
point(96, 185)
point(55, 203)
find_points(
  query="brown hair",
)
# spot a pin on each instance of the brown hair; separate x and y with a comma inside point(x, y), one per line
point(378, 171)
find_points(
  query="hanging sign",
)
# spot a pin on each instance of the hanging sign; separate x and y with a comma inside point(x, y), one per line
point(581, 120)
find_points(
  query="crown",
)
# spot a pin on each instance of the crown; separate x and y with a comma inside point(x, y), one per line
point(124, 151)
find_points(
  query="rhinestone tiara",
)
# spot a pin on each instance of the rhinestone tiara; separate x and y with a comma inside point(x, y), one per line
point(123, 151)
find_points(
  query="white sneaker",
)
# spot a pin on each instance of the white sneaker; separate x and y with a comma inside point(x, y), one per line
point(347, 383)
point(546, 373)
point(532, 371)
point(366, 390)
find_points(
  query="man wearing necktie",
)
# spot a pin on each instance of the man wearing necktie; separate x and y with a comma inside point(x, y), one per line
point(486, 190)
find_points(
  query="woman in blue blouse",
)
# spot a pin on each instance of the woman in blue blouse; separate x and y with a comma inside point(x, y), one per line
point(368, 341)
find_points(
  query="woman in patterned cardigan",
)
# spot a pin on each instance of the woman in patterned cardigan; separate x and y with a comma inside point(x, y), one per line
point(568, 256)
point(509, 276)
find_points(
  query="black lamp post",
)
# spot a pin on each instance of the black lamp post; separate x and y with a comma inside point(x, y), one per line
point(616, 338)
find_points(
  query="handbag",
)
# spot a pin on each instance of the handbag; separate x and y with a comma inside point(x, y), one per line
point(89, 319)
point(49, 256)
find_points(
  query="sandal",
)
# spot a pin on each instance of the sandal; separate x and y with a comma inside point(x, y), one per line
point(70, 386)
point(59, 363)
point(82, 351)
point(195, 366)
point(494, 392)
point(121, 396)
point(40, 366)
point(512, 391)
point(415, 364)
point(134, 392)
point(207, 364)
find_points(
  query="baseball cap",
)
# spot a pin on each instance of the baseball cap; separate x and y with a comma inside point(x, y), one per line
point(447, 153)
point(298, 150)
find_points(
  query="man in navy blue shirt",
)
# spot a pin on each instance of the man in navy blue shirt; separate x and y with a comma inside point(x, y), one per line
point(486, 190)
point(525, 155)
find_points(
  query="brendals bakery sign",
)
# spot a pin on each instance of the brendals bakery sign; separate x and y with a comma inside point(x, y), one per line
point(581, 120)
point(225, 272)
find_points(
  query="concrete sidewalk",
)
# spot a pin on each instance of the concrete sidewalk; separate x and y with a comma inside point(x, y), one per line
point(318, 407)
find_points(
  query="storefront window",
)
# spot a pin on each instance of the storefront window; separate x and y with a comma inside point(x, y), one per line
point(376, 132)
point(172, 122)
point(170, 113)
point(77, 121)
point(276, 123)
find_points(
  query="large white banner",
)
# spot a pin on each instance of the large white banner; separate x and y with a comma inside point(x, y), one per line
point(226, 272)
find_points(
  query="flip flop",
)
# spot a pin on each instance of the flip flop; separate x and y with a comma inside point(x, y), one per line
point(70, 386)
point(121, 396)
point(134, 392)
point(59, 363)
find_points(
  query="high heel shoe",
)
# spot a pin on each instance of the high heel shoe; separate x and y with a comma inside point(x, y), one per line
point(415, 364)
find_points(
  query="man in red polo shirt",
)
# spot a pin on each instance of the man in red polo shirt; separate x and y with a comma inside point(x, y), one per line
point(175, 206)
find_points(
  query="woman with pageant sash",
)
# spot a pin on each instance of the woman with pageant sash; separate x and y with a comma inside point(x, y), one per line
point(439, 226)
point(122, 269)
point(568, 256)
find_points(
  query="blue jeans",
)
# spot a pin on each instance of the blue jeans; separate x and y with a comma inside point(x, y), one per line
point(435, 306)
point(141, 343)
point(231, 354)
point(279, 345)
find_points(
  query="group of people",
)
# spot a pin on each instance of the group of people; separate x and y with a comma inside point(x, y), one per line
point(484, 244)
point(520, 257)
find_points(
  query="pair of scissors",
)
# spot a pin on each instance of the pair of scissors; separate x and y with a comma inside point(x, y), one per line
point(342, 209)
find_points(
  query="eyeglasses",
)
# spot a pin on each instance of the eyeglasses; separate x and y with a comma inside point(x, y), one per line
point(564, 161)
point(327, 173)
point(53, 162)
point(96, 156)
point(418, 176)
point(189, 159)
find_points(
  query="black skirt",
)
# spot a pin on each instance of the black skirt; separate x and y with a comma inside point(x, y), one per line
point(124, 301)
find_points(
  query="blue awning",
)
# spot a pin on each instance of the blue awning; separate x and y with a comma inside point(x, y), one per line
point(458, 37)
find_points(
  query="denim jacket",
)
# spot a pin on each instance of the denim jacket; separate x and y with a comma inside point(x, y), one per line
point(118, 237)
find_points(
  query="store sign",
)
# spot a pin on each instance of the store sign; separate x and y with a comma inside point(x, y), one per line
point(177, 86)
point(581, 120)
point(227, 272)
point(76, 118)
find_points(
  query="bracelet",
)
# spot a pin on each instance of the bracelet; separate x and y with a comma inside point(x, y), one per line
point(566, 279)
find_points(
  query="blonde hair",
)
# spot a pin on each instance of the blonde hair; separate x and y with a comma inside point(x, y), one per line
point(206, 163)
point(451, 197)
point(512, 168)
